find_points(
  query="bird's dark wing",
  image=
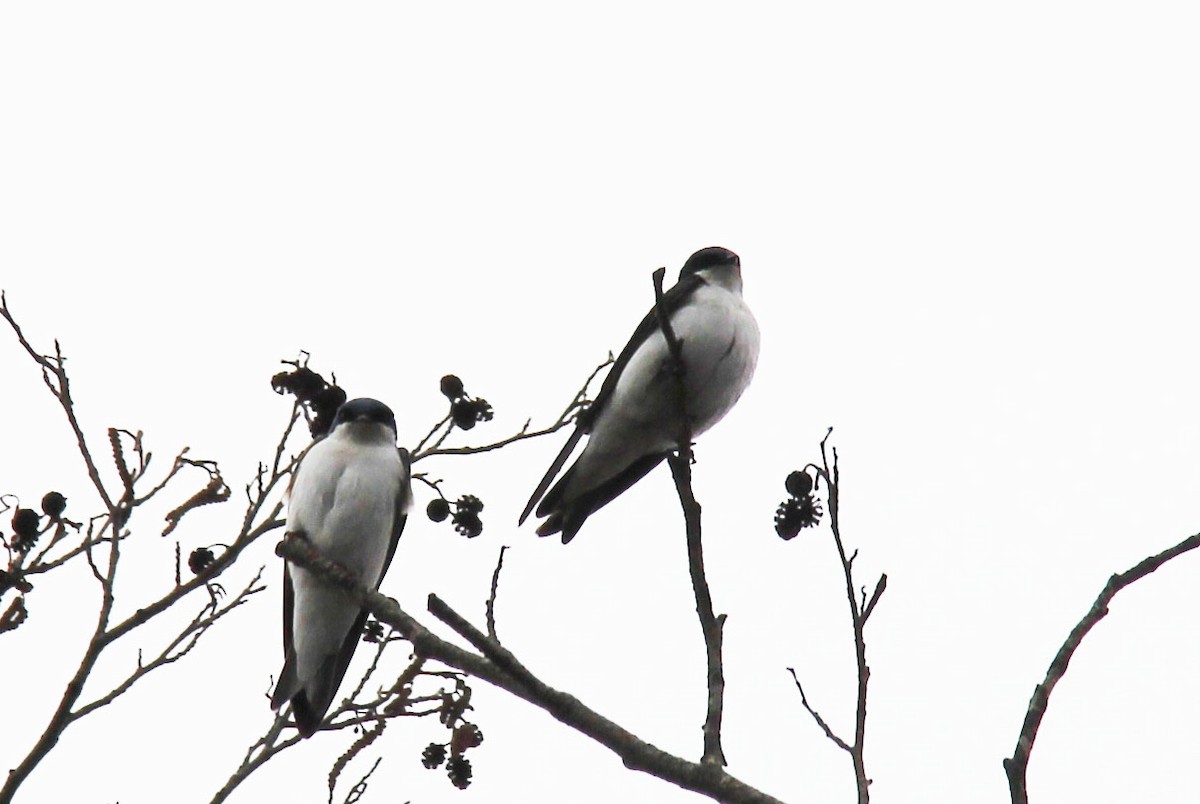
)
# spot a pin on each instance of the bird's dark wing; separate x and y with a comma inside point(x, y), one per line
point(672, 300)
point(288, 684)
point(403, 497)
point(676, 297)
point(288, 593)
point(309, 706)
point(563, 454)
point(570, 519)
point(288, 602)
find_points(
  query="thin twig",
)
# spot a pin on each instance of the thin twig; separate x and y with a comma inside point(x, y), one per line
point(219, 565)
point(368, 736)
point(880, 585)
point(38, 567)
point(399, 694)
point(257, 755)
point(565, 418)
point(60, 533)
point(109, 530)
point(14, 615)
point(391, 703)
point(178, 647)
point(581, 395)
point(861, 608)
point(53, 366)
point(491, 601)
point(858, 620)
point(371, 668)
point(356, 793)
point(432, 432)
point(524, 434)
point(838, 741)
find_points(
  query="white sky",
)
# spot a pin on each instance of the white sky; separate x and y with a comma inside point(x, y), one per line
point(969, 236)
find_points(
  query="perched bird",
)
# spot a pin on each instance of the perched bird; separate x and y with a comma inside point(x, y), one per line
point(349, 497)
point(636, 420)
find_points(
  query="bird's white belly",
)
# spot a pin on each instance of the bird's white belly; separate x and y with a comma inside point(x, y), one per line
point(720, 351)
point(344, 501)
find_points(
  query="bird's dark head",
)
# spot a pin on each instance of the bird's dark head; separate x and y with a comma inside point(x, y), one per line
point(715, 265)
point(365, 411)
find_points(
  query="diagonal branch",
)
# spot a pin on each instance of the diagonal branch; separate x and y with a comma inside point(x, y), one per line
point(60, 387)
point(258, 754)
point(219, 565)
point(180, 646)
point(421, 452)
point(523, 434)
point(499, 667)
point(491, 601)
point(1015, 767)
point(824, 726)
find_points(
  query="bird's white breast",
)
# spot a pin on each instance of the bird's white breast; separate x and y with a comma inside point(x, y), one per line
point(344, 500)
point(720, 349)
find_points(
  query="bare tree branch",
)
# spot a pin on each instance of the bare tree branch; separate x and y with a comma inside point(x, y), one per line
point(420, 452)
point(360, 788)
point(101, 545)
point(860, 610)
point(369, 735)
point(499, 667)
point(178, 647)
point(416, 451)
point(382, 646)
point(393, 702)
point(1015, 767)
point(522, 435)
point(14, 615)
point(880, 585)
point(257, 755)
point(54, 375)
point(491, 601)
point(838, 741)
point(711, 625)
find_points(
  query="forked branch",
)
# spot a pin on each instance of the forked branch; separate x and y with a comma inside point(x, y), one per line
point(498, 666)
point(861, 608)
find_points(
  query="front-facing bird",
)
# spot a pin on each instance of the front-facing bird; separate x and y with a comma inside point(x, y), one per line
point(635, 420)
point(349, 497)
